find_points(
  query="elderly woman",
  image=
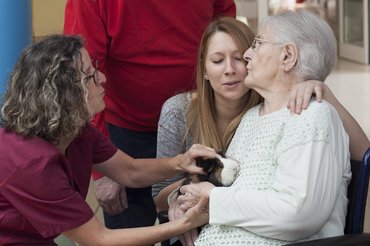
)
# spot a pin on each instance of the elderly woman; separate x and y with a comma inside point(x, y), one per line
point(47, 148)
point(294, 168)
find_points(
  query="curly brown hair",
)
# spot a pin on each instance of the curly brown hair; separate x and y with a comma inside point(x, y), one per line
point(42, 97)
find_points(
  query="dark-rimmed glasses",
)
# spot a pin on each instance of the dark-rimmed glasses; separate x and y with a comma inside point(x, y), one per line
point(95, 74)
point(258, 41)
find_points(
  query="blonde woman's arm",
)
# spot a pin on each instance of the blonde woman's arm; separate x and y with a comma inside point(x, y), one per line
point(300, 98)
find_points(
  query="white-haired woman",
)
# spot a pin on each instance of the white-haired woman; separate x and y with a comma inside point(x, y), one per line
point(294, 168)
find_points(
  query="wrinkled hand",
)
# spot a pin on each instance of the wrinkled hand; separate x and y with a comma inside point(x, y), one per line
point(110, 195)
point(301, 94)
point(174, 213)
point(192, 194)
point(186, 161)
point(197, 215)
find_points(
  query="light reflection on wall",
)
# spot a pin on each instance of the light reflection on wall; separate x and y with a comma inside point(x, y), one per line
point(277, 5)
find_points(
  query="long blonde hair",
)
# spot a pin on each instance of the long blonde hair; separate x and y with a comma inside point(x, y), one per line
point(201, 117)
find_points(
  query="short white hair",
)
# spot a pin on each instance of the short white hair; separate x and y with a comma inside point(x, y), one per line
point(313, 37)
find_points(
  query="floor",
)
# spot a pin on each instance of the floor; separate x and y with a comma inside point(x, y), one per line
point(350, 82)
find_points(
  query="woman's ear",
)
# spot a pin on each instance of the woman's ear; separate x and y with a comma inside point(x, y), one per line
point(289, 56)
point(206, 75)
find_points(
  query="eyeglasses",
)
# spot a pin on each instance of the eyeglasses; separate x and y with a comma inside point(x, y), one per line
point(257, 42)
point(95, 74)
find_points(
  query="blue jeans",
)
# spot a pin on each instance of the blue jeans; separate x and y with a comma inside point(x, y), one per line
point(141, 209)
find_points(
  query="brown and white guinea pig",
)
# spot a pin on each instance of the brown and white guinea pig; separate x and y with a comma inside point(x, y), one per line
point(219, 171)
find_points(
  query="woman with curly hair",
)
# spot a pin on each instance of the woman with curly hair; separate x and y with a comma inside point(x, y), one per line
point(48, 148)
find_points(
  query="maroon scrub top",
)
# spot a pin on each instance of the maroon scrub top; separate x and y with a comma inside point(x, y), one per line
point(42, 192)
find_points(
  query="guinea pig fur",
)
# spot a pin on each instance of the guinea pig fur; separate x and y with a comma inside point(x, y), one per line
point(219, 171)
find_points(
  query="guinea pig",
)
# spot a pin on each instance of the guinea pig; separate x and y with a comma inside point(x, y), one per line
point(219, 171)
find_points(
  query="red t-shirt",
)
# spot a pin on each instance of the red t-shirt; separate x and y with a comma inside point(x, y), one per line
point(146, 49)
point(42, 192)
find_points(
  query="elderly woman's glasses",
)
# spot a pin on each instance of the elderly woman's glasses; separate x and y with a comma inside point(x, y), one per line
point(257, 42)
point(95, 74)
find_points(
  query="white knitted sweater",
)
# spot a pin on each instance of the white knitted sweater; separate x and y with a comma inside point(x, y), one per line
point(293, 180)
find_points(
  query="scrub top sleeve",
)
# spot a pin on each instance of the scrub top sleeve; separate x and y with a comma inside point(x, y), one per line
point(43, 194)
point(104, 149)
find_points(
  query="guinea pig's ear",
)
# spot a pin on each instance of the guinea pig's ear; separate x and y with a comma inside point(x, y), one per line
point(222, 154)
point(211, 164)
point(199, 161)
point(218, 162)
point(205, 164)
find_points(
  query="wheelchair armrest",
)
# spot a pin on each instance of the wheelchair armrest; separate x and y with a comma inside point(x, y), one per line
point(345, 240)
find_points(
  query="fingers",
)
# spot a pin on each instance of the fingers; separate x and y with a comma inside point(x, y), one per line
point(291, 102)
point(202, 206)
point(193, 169)
point(174, 211)
point(187, 199)
point(198, 150)
point(199, 214)
point(182, 240)
point(186, 239)
point(188, 163)
point(185, 203)
point(184, 189)
point(123, 198)
point(303, 98)
point(112, 207)
point(199, 146)
point(196, 190)
point(300, 97)
point(194, 235)
point(107, 193)
point(302, 93)
point(319, 89)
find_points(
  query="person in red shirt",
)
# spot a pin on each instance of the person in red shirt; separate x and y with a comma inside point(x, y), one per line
point(147, 50)
point(48, 149)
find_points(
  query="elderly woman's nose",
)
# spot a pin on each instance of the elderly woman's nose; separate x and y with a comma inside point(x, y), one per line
point(102, 78)
point(247, 55)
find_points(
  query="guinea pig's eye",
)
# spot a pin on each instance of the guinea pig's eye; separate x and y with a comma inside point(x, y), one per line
point(210, 168)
